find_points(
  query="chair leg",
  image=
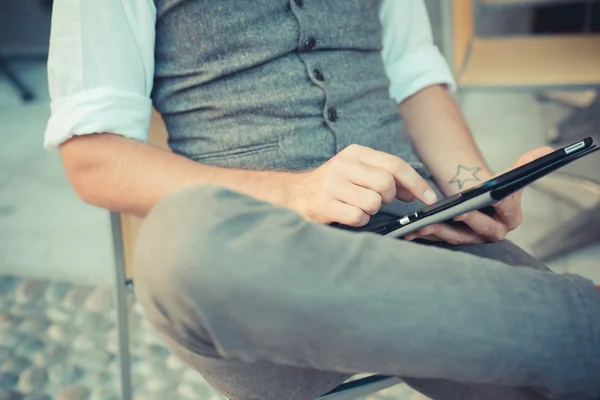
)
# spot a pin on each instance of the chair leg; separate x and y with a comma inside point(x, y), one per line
point(122, 309)
point(577, 233)
point(15, 80)
point(123, 332)
point(579, 124)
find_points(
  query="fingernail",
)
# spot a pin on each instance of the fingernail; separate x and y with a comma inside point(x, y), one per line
point(430, 196)
point(409, 237)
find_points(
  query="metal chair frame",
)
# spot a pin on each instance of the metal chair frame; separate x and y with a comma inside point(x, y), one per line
point(15, 80)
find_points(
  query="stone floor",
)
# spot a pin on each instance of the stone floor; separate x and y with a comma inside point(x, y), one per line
point(58, 341)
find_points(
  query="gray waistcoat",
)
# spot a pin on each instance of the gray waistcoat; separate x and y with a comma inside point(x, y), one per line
point(274, 84)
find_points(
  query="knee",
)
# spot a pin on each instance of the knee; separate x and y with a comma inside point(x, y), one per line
point(179, 262)
point(204, 248)
point(175, 237)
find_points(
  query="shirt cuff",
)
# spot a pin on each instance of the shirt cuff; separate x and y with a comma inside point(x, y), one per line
point(417, 70)
point(96, 111)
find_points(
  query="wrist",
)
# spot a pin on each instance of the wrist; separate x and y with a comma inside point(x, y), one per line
point(285, 190)
point(463, 178)
point(292, 193)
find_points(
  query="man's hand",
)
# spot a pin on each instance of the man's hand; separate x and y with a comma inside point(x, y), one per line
point(352, 186)
point(479, 227)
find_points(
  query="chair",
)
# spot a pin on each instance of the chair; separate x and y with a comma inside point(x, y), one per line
point(25, 92)
point(124, 233)
point(516, 62)
point(10, 72)
point(582, 230)
point(582, 122)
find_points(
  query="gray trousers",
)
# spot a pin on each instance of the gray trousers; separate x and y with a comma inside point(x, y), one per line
point(266, 305)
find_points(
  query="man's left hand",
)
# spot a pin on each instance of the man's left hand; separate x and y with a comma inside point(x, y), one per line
point(481, 228)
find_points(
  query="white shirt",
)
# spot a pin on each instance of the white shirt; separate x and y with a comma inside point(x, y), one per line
point(101, 63)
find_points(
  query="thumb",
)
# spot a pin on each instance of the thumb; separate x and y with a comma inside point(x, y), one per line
point(533, 155)
point(528, 157)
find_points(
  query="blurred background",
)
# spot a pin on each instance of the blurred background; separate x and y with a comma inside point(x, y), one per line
point(528, 74)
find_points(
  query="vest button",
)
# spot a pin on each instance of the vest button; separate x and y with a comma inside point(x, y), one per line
point(318, 75)
point(332, 114)
point(310, 43)
point(299, 3)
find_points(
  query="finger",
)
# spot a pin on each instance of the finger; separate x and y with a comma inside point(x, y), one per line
point(460, 217)
point(533, 155)
point(529, 156)
point(402, 172)
point(348, 215)
point(372, 178)
point(509, 212)
point(430, 238)
point(367, 200)
point(404, 194)
point(411, 236)
point(450, 234)
point(519, 197)
point(487, 227)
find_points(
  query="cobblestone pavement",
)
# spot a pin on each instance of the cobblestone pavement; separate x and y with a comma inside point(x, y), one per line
point(58, 341)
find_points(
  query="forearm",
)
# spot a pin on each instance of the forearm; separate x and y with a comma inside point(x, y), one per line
point(124, 175)
point(442, 139)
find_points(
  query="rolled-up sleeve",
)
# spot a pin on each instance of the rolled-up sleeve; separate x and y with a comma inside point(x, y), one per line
point(411, 60)
point(100, 68)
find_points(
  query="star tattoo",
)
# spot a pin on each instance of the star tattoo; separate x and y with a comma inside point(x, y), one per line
point(464, 175)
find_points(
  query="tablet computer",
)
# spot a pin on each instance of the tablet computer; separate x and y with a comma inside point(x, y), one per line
point(490, 192)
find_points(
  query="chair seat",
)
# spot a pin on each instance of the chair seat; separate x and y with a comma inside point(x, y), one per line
point(361, 387)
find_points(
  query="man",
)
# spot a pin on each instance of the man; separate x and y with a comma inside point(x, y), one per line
point(285, 116)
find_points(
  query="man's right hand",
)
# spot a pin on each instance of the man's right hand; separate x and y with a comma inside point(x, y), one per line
point(352, 186)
